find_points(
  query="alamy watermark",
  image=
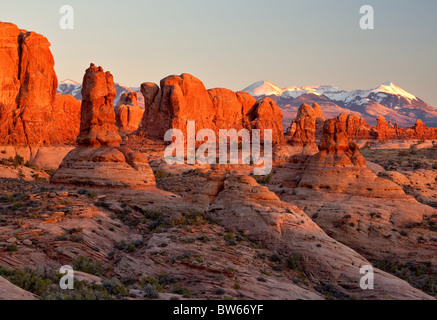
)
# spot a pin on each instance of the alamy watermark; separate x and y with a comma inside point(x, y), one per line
point(67, 281)
point(367, 281)
point(248, 142)
point(67, 20)
point(367, 21)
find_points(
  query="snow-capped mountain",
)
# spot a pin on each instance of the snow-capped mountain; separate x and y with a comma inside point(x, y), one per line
point(70, 87)
point(388, 100)
point(74, 89)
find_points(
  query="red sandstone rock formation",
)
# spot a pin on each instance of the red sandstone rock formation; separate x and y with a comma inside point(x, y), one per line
point(340, 167)
point(267, 115)
point(180, 99)
point(30, 111)
point(336, 149)
point(355, 206)
point(356, 128)
point(127, 113)
point(307, 126)
point(304, 132)
point(99, 160)
point(128, 99)
point(184, 98)
point(231, 108)
point(97, 124)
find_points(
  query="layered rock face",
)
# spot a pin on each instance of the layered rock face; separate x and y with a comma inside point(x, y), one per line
point(100, 160)
point(184, 98)
point(128, 114)
point(240, 203)
point(31, 113)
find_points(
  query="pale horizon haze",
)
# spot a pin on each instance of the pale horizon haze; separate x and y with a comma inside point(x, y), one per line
point(233, 44)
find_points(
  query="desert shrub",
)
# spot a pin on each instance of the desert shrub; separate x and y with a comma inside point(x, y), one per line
point(166, 279)
point(26, 279)
point(294, 262)
point(37, 178)
point(160, 174)
point(12, 248)
point(264, 179)
point(229, 236)
point(82, 191)
point(275, 257)
point(17, 161)
point(150, 292)
point(179, 289)
point(87, 265)
point(331, 292)
point(46, 285)
point(128, 247)
point(85, 192)
point(103, 204)
point(114, 286)
point(189, 219)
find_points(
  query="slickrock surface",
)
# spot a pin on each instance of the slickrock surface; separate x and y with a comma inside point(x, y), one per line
point(8, 291)
point(31, 113)
point(252, 209)
point(100, 160)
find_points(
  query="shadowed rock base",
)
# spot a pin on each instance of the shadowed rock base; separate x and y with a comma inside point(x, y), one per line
point(105, 166)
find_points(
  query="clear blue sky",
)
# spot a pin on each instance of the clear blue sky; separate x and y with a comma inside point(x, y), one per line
point(233, 43)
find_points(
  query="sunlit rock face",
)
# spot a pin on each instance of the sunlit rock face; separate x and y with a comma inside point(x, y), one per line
point(100, 160)
point(184, 98)
point(31, 113)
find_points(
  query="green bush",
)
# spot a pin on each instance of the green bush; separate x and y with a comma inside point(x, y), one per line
point(229, 236)
point(160, 174)
point(264, 179)
point(46, 286)
point(179, 289)
point(114, 286)
point(294, 262)
point(87, 265)
point(189, 219)
point(12, 248)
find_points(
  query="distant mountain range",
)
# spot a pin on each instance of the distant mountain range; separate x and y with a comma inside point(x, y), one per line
point(388, 100)
point(74, 88)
